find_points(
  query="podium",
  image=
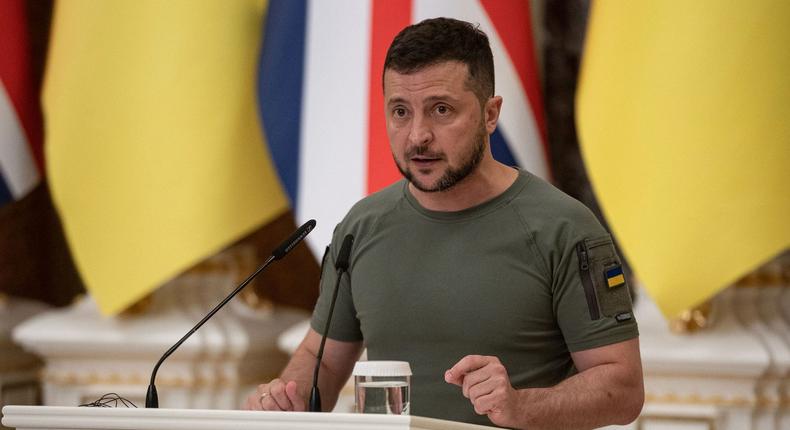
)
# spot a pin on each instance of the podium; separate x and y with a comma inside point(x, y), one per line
point(84, 418)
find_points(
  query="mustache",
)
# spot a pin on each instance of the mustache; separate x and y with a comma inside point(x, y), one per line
point(423, 151)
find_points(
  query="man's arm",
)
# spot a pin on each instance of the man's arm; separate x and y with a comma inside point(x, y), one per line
point(289, 392)
point(607, 390)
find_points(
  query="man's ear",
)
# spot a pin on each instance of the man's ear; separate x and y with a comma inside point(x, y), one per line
point(491, 111)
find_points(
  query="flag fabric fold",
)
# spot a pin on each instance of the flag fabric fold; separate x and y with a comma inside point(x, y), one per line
point(682, 111)
point(154, 148)
point(20, 118)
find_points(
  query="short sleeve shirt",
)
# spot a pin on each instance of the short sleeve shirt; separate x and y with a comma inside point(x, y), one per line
point(529, 276)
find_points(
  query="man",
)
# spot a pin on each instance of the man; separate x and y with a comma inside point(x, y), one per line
point(504, 294)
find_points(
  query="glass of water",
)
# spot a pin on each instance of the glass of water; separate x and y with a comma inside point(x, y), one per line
point(382, 387)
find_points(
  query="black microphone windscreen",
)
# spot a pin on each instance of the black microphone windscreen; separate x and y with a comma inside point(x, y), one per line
point(293, 240)
point(345, 253)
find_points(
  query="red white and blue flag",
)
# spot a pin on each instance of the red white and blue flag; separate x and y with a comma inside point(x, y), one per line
point(21, 163)
point(322, 104)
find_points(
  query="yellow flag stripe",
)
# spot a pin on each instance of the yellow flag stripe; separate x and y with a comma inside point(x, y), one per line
point(690, 100)
point(154, 150)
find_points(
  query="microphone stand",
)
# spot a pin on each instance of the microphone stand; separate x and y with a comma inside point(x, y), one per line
point(342, 266)
point(151, 397)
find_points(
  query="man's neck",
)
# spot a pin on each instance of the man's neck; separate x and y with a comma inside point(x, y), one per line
point(486, 182)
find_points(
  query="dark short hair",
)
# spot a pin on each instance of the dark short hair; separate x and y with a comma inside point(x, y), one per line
point(437, 40)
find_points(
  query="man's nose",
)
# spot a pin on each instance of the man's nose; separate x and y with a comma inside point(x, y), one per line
point(420, 132)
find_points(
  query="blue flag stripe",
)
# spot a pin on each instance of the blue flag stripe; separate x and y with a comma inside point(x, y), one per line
point(280, 79)
point(500, 149)
point(5, 193)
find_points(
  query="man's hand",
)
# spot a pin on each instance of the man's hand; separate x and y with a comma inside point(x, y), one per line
point(289, 392)
point(607, 390)
point(484, 381)
point(277, 395)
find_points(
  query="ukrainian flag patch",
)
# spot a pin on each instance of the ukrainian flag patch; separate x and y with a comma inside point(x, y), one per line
point(614, 277)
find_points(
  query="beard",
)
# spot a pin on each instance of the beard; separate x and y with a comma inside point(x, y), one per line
point(452, 175)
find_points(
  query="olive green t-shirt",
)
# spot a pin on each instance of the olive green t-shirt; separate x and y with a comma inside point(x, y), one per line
point(528, 276)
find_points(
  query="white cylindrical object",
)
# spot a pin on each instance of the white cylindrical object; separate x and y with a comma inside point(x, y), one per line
point(382, 387)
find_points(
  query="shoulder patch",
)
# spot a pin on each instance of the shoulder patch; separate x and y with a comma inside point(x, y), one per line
point(614, 276)
point(603, 279)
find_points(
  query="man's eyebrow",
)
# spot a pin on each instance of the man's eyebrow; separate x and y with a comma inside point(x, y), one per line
point(395, 100)
point(435, 98)
point(442, 97)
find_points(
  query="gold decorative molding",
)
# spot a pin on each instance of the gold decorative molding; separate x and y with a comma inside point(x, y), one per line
point(710, 422)
point(703, 376)
point(774, 273)
point(696, 399)
point(138, 308)
point(769, 402)
point(760, 401)
point(93, 378)
point(751, 280)
point(693, 320)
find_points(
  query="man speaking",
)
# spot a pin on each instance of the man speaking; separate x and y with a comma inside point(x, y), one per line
point(505, 295)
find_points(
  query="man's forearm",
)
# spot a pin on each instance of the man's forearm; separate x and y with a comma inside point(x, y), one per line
point(300, 369)
point(338, 360)
point(602, 395)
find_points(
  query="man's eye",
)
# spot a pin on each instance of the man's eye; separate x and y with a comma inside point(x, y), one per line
point(442, 110)
point(399, 112)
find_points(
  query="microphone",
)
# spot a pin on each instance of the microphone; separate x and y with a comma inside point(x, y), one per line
point(341, 265)
point(151, 397)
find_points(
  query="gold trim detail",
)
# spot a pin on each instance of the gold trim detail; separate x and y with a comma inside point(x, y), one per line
point(693, 320)
point(696, 399)
point(719, 400)
point(640, 423)
point(703, 376)
point(138, 308)
point(72, 378)
point(774, 273)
